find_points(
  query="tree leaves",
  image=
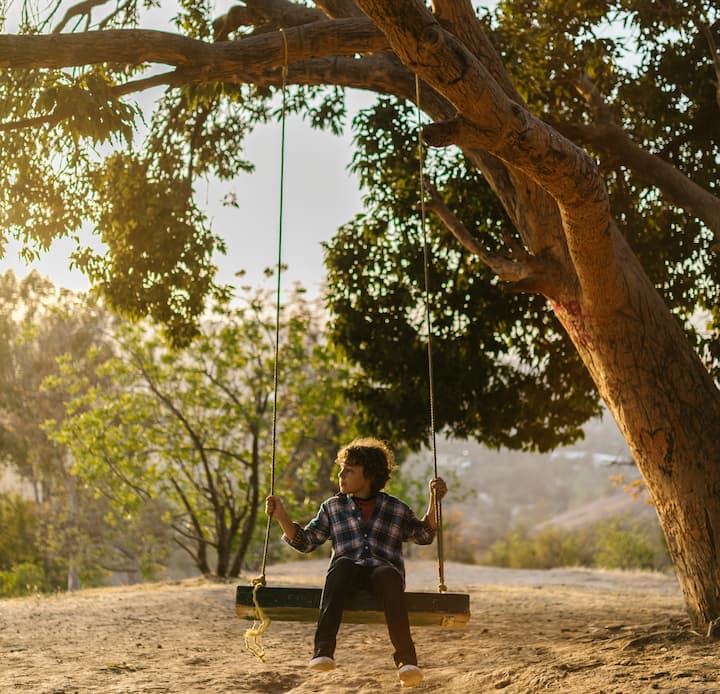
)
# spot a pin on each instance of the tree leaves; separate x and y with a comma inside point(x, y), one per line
point(159, 251)
point(193, 427)
point(520, 383)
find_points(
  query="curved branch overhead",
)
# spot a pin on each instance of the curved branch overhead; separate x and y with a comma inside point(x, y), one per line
point(137, 46)
point(489, 120)
point(493, 124)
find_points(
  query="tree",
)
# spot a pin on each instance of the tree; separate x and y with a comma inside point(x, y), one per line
point(192, 429)
point(40, 324)
point(570, 242)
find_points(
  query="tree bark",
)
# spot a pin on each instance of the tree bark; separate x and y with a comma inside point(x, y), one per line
point(73, 576)
point(668, 410)
point(253, 505)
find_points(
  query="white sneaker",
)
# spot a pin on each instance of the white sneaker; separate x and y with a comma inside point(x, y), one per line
point(322, 663)
point(410, 675)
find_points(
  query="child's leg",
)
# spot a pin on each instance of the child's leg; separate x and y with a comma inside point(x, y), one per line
point(342, 580)
point(387, 583)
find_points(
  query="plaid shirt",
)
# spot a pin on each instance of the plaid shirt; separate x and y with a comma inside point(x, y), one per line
point(379, 542)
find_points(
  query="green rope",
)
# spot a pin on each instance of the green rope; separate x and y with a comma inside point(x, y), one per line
point(262, 621)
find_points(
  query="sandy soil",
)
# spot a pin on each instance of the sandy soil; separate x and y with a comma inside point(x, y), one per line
point(531, 631)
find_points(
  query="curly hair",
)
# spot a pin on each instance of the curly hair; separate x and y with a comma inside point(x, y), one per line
point(373, 455)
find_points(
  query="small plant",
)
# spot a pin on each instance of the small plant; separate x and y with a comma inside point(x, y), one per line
point(630, 544)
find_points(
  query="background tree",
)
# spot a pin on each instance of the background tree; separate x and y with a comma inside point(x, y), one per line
point(41, 323)
point(191, 429)
point(72, 538)
point(573, 224)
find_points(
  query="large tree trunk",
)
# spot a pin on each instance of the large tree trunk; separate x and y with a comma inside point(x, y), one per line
point(668, 409)
point(662, 397)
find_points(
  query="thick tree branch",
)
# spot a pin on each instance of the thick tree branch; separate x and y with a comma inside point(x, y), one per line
point(247, 60)
point(610, 138)
point(527, 273)
point(339, 8)
point(259, 13)
point(458, 17)
point(136, 46)
point(123, 46)
point(507, 130)
point(81, 9)
point(532, 210)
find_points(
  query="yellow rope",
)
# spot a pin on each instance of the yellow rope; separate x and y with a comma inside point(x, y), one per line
point(260, 625)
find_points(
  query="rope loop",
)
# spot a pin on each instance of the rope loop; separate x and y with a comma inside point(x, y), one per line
point(285, 56)
point(260, 625)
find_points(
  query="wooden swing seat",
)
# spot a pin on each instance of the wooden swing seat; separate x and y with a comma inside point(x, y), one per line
point(293, 604)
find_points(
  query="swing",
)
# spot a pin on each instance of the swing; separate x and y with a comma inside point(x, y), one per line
point(295, 604)
point(291, 604)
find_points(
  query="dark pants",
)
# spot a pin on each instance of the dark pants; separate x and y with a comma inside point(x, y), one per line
point(344, 579)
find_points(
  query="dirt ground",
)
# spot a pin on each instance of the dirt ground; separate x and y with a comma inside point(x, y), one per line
point(530, 631)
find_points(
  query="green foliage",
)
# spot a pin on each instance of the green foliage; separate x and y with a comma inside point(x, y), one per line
point(25, 566)
point(620, 543)
point(38, 324)
point(547, 45)
point(322, 107)
point(503, 372)
point(191, 428)
point(88, 108)
point(84, 534)
point(67, 529)
point(628, 546)
point(547, 549)
point(19, 527)
point(159, 259)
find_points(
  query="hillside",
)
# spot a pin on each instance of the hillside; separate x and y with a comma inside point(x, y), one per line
point(494, 491)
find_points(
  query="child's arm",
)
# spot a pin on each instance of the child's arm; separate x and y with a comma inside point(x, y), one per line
point(438, 489)
point(275, 508)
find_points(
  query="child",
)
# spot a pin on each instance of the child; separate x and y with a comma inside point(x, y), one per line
point(367, 528)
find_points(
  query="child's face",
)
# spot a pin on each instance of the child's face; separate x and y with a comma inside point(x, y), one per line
point(353, 481)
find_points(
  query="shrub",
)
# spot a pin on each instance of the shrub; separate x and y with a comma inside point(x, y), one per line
point(630, 544)
point(546, 549)
point(19, 526)
point(621, 543)
point(22, 579)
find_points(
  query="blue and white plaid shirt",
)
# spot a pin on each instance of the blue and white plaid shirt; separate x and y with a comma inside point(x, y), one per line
point(375, 543)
